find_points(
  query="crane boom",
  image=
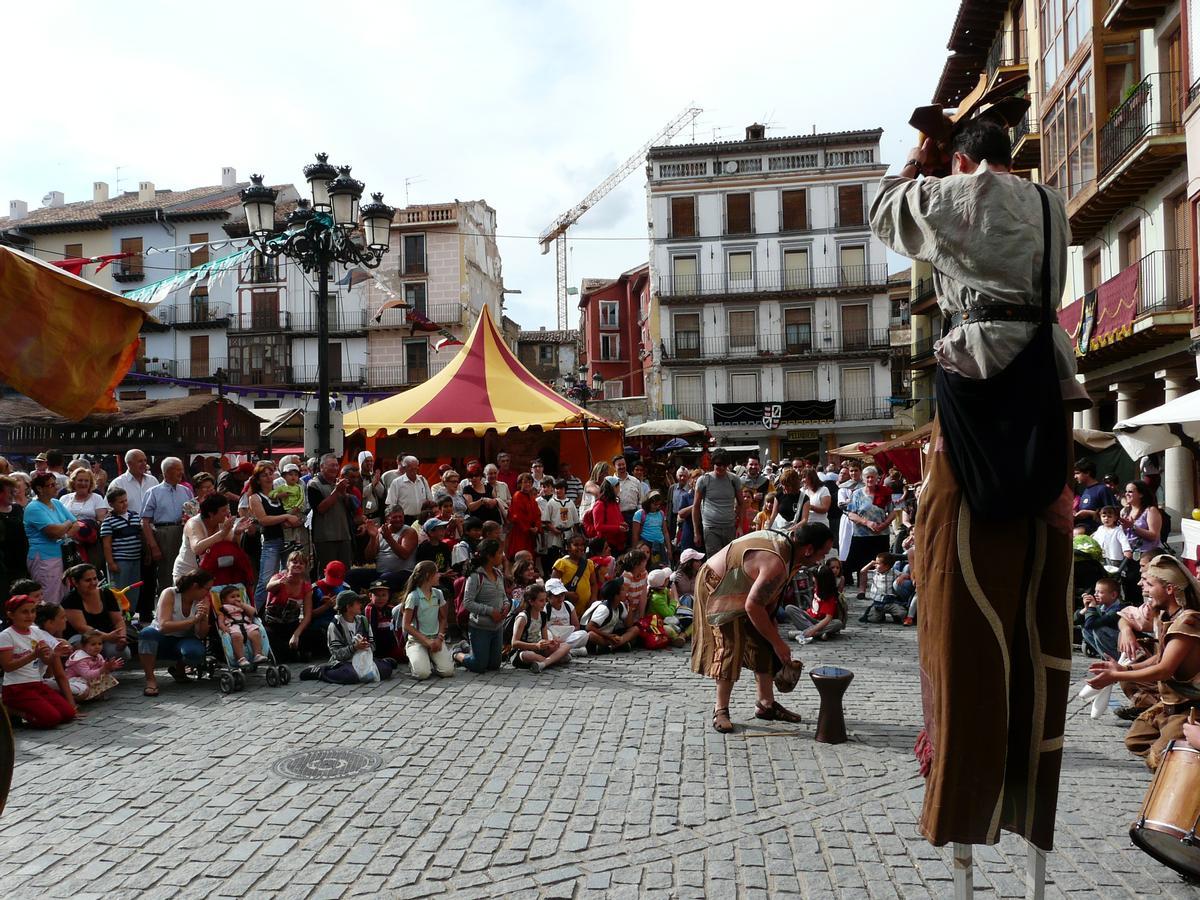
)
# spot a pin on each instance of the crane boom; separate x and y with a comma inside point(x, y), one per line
point(556, 233)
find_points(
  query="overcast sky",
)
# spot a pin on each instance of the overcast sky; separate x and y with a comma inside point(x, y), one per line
point(528, 105)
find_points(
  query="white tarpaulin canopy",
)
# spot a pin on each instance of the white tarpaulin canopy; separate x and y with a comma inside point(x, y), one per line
point(1162, 427)
point(664, 428)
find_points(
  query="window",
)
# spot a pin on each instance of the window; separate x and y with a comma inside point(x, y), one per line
point(741, 270)
point(853, 262)
point(610, 346)
point(1120, 73)
point(858, 400)
point(1130, 244)
point(263, 269)
point(613, 390)
point(683, 217)
point(742, 330)
point(73, 251)
point(797, 329)
point(685, 278)
point(414, 296)
point(132, 265)
point(264, 310)
point(687, 335)
point(414, 254)
point(610, 314)
point(198, 255)
point(800, 384)
point(1080, 140)
point(850, 205)
point(335, 362)
point(795, 269)
point(738, 219)
point(1091, 273)
point(416, 361)
point(743, 388)
point(199, 356)
point(793, 215)
point(1065, 24)
point(546, 355)
point(688, 391)
point(855, 335)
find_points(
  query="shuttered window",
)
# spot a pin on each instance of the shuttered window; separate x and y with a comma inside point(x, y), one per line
point(684, 277)
point(853, 263)
point(199, 356)
point(800, 384)
point(795, 210)
point(737, 214)
point(741, 271)
point(854, 326)
point(743, 388)
point(742, 330)
point(850, 205)
point(133, 264)
point(199, 255)
point(683, 217)
point(795, 269)
point(857, 400)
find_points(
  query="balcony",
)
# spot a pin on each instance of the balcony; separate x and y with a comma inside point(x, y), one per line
point(344, 375)
point(693, 412)
point(1027, 141)
point(794, 412)
point(859, 408)
point(127, 270)
point(444, 214)
point(924, 296)
point(153, 365)
point(261, 320)
point(1141, 143)
point(1007, 55)
point(1125, 15)
point(922, 352)
point(264, 271)
point(266, 373)
point(341, 321)
point(195, 314)
point(821, 280)
point(1146, 307)
point(404, 376)
point(688, 347)
point(398, 317)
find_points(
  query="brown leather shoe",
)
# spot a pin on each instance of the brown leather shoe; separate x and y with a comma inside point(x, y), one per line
point(775, 713)
point(721, 720)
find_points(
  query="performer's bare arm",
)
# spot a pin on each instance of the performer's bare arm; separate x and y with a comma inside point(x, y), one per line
point(1163, 666)
point(770, 577)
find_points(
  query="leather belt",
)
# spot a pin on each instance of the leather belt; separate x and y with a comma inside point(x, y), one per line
point(996, 314)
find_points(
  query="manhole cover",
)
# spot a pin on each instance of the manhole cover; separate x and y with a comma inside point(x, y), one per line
point(327, 763)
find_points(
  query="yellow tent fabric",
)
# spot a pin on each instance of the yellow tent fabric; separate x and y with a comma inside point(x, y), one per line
point(484, 388)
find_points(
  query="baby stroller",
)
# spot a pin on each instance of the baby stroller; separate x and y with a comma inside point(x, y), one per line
point(230, 565)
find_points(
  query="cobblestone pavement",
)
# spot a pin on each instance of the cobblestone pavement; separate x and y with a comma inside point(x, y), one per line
point(600, 780)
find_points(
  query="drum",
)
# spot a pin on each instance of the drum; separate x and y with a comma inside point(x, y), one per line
point(1167, 826)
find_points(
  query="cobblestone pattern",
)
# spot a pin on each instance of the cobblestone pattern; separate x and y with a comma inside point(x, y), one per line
point(600, 780)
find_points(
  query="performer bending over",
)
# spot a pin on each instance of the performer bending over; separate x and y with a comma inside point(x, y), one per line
point(737, 591)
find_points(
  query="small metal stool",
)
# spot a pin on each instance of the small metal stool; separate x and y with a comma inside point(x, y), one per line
point(831, 683)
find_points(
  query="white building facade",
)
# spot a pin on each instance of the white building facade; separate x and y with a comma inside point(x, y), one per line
point(769, 293)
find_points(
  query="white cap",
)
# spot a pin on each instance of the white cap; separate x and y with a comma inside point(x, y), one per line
point(555, 586)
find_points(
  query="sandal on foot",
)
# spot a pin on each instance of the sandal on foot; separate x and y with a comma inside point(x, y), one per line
point(775, 713)
point(721, 720)
point(150, 690)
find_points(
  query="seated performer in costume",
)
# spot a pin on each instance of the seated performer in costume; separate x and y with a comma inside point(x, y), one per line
point(1175, 593)
point(737, 590)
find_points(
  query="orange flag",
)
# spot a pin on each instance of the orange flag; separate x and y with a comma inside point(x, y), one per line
point(69, 342)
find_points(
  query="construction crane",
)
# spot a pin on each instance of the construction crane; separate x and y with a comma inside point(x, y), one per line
point(556, 233)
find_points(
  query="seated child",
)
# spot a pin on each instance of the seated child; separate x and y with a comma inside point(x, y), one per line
point(88, 672)
point(562, 621)
point(660, 602)
point(324, 594)
point(379, 614)
point(26, 655)
point(235, 617)
point(600, 554)
point(531, 648)
point(821, 618)
point(607, 620)
point(1100, 618)
point(422, 619)
point(880, 591)
point(577, 574)
point(632, 568)
point(350, 633)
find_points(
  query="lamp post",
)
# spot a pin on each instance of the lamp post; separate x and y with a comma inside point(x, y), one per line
point(319, 234)
point(576, 390)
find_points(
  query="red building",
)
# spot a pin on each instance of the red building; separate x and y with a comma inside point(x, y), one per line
point(613, 323)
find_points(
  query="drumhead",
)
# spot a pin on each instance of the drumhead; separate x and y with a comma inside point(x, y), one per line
point(1168, 850)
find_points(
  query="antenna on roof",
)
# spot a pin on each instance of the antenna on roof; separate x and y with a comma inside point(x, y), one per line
point(117, 181)
point(407, 182)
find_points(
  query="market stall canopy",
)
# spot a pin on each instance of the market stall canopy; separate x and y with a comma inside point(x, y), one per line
point(484, 388)
point(1174, 424)
point(664, 428)
point(68, 342)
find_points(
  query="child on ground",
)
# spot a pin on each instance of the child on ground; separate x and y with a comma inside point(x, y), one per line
point(608, 621)
point(562, 621)
point(532, 648)
point(1100, 625)
point(88, 672)
point(660, 602)
point(379, 614)
point(27, 654)
point(880, 592)
point(821, 618)
point(632, 568)
point(350, 633)
point(600, 554)
point(422, 618)
point(649, 525)
point(235, 617)
point(577, 574)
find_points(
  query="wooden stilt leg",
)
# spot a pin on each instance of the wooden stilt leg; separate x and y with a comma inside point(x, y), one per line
point(1035, 873)
point(964, 875)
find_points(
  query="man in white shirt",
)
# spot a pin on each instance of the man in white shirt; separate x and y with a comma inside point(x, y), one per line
point(409, 490)
point(136, 480)
point(630, 490)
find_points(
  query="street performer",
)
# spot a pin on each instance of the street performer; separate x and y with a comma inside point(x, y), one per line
point(737, 590)
point(992, 567)
point(1175, 594)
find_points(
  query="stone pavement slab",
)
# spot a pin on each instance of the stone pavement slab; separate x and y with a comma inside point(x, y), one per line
point(603, 779)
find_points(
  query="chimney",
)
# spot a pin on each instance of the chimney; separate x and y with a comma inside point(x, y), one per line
point(145, 191)
point(228, 176)
point(53, 199)
point(541, 328)
point(99, 191)
point(18, 209)
point(756, 132)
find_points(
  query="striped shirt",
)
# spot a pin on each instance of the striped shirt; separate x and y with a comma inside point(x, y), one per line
point(126, 534)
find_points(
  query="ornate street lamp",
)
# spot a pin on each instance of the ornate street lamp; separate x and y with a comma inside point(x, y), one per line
point(317, 236)
point(577, 391)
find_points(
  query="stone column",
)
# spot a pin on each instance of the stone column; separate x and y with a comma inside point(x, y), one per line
point(1179, 465)
point(1126, 392)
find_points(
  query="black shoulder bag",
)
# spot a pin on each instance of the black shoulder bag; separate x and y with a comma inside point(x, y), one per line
point(1007, 434)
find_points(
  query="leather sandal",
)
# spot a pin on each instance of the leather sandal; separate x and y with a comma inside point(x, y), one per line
point(775, 713)
point(721, 720)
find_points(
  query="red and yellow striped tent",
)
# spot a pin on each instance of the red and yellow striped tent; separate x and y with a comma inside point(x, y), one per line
point(484, 390)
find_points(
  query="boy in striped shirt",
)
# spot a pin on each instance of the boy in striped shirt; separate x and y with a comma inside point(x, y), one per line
point(121, 535)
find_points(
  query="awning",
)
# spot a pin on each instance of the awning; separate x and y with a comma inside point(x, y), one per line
point(664, 428)
point(1174, 424)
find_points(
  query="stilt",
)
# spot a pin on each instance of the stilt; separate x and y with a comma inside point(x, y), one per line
point(1035, 873)
point(964, 874)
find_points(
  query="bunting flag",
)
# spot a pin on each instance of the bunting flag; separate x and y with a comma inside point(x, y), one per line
point(353, 277)
point(68, 342)
point(446, 342)
point(215, 270)
point(75, 264)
